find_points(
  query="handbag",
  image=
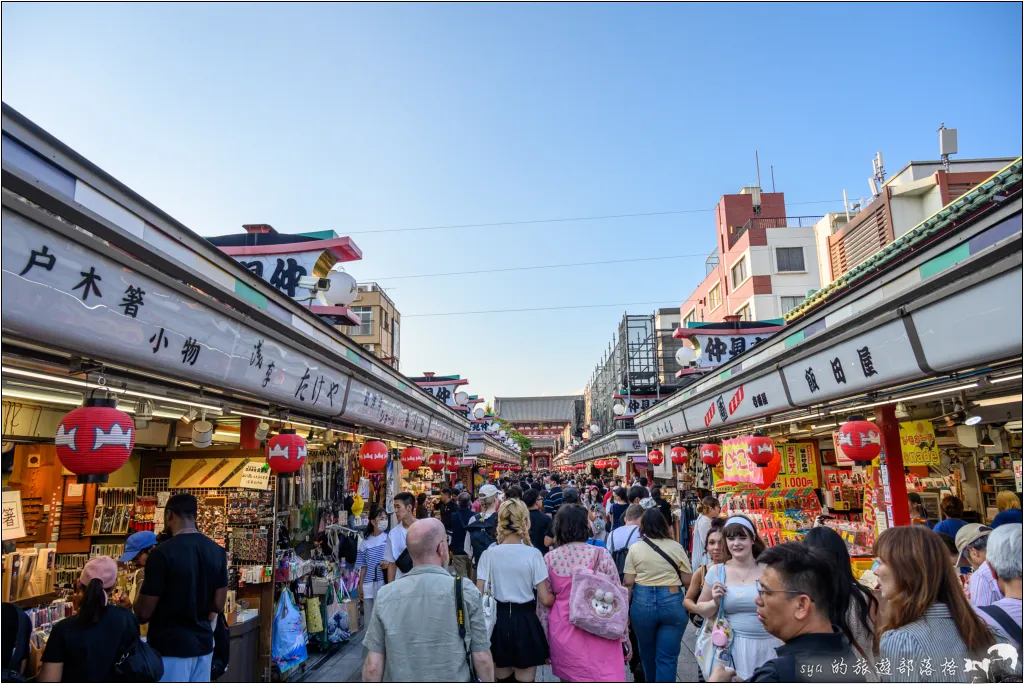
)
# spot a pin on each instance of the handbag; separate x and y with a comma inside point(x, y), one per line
point(139, 662)
point(314, 623)
point(336, 633)
point(596, 603)
point(488, 602)
point(715, 637)
point(696, 618)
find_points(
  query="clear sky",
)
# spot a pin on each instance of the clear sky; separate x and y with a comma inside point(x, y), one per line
point(374, 117)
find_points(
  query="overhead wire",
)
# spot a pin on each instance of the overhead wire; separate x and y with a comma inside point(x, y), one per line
point(541, 308)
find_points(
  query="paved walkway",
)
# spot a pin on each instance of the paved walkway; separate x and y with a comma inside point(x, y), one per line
point(346, 665)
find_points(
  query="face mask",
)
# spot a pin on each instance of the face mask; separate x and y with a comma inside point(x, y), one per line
point(547, 486)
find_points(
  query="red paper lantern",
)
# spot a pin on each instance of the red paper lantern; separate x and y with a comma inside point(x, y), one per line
point(95, 440)
point(680, 455)
point(768, 474)
point(655, 457)
point(860, 439)
point(373, 455)
point(436, 461)
point(454, 462)
point(612, 464)
point(286, 452)
point(412, 458)
point(761, 450)
point(711, 454)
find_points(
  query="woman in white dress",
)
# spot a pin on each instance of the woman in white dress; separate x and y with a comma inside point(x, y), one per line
point(731, 585)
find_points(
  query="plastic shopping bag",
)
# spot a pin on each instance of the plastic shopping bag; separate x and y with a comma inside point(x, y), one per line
point(288, 645)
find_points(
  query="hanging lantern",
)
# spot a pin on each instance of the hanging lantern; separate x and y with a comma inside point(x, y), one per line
point(770, 472)
point(412, 458)
point(454, 462)
point(761, 450)
point(860, 439)
point(612, 463)
point(436, 461)
point(286, 452)
point(94, 440)
point(655, 457)
point(680, 455)
point(711, 454)
point(373, 455)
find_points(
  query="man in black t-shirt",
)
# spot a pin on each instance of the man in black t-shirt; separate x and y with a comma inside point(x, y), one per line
point(540, 523)
point(185, 587)
point(448, 508)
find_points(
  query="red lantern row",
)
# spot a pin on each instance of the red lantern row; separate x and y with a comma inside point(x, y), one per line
point(680, 455)
point(655, 457)
point(711, 454)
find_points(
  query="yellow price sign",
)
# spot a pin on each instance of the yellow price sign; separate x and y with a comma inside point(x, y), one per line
point(917, 441)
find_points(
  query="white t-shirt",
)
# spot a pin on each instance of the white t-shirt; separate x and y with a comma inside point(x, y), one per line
point(395, 546)
point(617, 539)
point(518, 568)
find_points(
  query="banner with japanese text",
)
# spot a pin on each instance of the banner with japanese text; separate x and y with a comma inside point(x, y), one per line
point(917, 441)
point(799, 465)
point(798, 469)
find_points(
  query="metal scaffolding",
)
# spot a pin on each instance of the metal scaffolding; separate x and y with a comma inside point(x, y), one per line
point(628, 366)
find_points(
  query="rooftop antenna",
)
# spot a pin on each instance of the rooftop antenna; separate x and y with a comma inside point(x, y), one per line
point(947, 144)
point(757, 162)
point(846, 206)
point(879, 169)
point(772, 167)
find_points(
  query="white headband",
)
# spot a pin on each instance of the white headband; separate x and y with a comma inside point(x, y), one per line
point(737, 520)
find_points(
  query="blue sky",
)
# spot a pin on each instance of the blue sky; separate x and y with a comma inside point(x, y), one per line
point(372, 117)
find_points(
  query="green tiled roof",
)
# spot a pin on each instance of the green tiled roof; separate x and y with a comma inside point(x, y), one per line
point(961, 206)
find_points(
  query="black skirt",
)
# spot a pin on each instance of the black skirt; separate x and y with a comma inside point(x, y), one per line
point(518, 639)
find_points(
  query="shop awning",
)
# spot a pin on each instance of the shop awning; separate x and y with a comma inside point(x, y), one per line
point(485, 447)
point(948, 312)
point(613, 444)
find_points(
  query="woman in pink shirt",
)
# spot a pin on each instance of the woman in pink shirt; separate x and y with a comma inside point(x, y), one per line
point(578, 655)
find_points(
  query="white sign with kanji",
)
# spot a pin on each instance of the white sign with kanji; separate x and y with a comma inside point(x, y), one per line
point(12, 520)
point(718, 349)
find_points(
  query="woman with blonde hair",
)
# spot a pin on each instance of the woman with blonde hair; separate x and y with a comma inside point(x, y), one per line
point(510, 570)
point(1008, 504)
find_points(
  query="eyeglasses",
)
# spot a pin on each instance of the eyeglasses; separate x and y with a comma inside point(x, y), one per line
point(763, 591)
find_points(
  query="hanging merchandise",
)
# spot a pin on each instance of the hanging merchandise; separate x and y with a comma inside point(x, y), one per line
point(711, 454)
point(373, 455)
point(860, 439)
point(760, 450)
point(412, 458)
point(286, 452)
point(336, 617)
point(436, 461)
point(95, 440)
point(314, 621)
point(288, 645)
point(655, 457)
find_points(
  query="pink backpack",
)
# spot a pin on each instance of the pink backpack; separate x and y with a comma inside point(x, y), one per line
point(596, 603)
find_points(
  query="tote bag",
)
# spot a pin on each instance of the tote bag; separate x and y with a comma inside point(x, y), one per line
point(596, 603)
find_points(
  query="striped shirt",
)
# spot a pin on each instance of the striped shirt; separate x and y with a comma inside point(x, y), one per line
point(369, 556)
point(929, 649)
point(984, 588)
point(554, 501)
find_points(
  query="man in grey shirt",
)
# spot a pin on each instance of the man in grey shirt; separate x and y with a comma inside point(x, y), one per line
point(413, 634)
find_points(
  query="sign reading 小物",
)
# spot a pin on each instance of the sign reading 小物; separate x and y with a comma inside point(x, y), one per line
point(917, 441)
point(12, 521)
point(255, 475)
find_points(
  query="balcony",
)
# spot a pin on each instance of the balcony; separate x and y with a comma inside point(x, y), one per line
point(711, 263)
point(777, 222)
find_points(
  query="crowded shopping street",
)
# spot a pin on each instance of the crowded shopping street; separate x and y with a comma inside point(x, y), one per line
point(410, 432)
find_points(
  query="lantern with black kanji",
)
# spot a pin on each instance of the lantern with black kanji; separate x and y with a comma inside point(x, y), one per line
point(860, 439)
point(95, 440)
point(680, 455)
point(373, 455)
point(612, 464)
point(711, 454)
point(454, 462)
point(761, 450)
point(286, 452)
point(412, 458)
point(655, 457)
point(436, 461)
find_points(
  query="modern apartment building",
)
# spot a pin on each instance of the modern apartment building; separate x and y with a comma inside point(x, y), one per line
point(764, 264)
point(379, 330)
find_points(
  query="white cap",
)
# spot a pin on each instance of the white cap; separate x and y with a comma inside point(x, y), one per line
point(488, 491)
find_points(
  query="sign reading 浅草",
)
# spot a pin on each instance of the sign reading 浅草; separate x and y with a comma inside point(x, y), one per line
point(917, 441)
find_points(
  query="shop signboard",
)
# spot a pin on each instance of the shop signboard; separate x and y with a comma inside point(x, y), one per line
point(798, 470)
point(215, 472)
point(13, 522)
point(917, 441)
point(880, 356)
point(1017, 473)
point(715, 350)
point(283, 270)
point(255, 476)
point(444, 432)
point(799, 465)
point(369, 406)
point(55, 289)
point(663, 428)
point(758, 397)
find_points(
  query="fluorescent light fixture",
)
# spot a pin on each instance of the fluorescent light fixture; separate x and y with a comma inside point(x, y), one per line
point(1006, 378)
point(295, 422)
point(171, 400)
point(42, 398)
point(226, 436)
point(235, 412)
point(995, 401)
point(948, 390)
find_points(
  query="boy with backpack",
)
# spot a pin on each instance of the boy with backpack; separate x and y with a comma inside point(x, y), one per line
point(621, 539)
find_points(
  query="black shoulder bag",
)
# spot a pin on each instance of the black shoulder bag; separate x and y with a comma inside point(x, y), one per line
point(137, 662)
point(460, 616)
point(667, 560)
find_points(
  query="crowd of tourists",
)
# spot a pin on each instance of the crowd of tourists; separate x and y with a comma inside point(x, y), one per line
point(589, 577)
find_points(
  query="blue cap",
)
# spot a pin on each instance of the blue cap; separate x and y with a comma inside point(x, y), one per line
point(140, 541)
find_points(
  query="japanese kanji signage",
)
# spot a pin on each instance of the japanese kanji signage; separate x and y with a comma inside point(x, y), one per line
point(284, 270)
point(255, 475)
point(369, 406)
point(799, 467)
point(718, 349)
point(663, 428)
point(13, 523)
point(917, 441)
point(444, 432)
point(879, 356)
point(757, 397)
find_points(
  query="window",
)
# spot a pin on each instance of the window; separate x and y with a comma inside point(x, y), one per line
point(715, 298)
point(739, 272)
point(790, 303)
point(744, 313)
point(690, 318)
point(365, 314)
point(789, 259)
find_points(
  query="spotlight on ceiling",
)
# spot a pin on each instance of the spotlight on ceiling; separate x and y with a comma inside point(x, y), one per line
point(972, 419)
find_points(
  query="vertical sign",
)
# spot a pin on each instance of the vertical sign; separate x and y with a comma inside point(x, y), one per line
point(12, 519)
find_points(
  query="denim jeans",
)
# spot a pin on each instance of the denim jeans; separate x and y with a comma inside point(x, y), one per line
point(187, 669)
point(659, 620)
